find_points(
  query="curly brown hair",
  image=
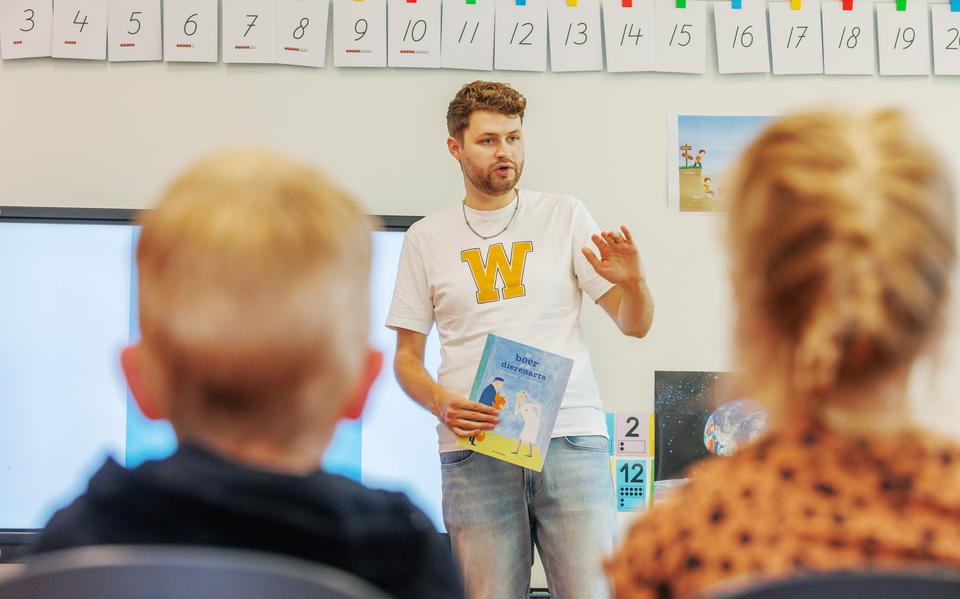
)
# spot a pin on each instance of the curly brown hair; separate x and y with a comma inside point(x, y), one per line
point(482, 95)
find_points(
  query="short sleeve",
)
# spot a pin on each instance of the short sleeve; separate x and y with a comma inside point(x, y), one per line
point(583, 227)
point(412, 304)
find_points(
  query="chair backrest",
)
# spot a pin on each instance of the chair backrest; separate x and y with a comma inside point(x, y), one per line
point(924, 584)
point(172, 572)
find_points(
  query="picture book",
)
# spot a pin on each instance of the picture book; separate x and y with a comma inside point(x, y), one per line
point(526, 385)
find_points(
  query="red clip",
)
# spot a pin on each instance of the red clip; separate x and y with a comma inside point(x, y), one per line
point(627, 3)
point(847, 4)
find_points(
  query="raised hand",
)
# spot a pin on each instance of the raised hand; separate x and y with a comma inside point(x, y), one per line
point(619, 260)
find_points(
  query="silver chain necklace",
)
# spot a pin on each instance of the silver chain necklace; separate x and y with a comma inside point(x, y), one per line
point(500, 232)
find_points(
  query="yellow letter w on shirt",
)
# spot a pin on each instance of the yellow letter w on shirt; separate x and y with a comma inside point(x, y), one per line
point(510, 271)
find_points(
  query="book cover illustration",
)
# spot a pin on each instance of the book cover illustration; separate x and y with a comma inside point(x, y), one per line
point(527, 385)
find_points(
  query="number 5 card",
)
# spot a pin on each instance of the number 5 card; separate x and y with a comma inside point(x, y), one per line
point(26, 28)
point(190, 30)
point(360, 33)
point(135, 31)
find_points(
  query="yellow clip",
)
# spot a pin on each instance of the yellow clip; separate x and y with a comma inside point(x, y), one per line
point(796, 4)
point(572, 3)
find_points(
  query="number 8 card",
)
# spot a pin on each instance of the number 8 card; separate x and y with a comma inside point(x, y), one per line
point(302, 32)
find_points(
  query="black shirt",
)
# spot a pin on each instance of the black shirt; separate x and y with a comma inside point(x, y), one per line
point(197, 498)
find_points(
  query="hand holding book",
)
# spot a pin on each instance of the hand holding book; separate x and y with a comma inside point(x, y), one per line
point(463, 417)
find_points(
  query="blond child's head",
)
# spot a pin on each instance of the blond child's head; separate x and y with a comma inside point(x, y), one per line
point(842, 239)
point(254, 292)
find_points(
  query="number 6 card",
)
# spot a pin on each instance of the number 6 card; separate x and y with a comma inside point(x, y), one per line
point(135, 31)
point(742, 37)
point(190, 30)
point(26, 28)
point(903, 39)
point(360, 33)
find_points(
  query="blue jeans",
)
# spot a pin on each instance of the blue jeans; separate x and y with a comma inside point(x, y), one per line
point(495, 512)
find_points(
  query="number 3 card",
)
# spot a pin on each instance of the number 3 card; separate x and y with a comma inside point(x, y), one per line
point(628, 35)
point(680, 37)
point(796, 38)
point(903, 39)
point(413, 38)
point(575, 35)
point(742, 37)
point(190, 30)
point(26, 28)
point(135, 31)
point(360, 33)
point(80, 29)
point(521, 35)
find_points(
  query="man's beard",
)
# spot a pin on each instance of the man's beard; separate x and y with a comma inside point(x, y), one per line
point(489, 182)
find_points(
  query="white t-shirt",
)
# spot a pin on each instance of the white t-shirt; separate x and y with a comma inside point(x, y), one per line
point(525, 284)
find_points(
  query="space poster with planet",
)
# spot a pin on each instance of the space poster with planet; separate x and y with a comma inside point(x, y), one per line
point(526, 385)
point(700, 414)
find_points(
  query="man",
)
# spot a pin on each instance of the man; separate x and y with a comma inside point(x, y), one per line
point(489, 394)
point(512, 262)
point(254, 356)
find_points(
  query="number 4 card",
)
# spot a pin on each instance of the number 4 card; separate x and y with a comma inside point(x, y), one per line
point(26, 27)
point(249, 31)
point(467, 35)
point(742, 37)
point(903, 39)
point(575, 35)
point(946, 40)
point(629, 35)
point(360, 33)
point(135, 31)
point(848, 47)
point(302, 32)
point(190, 30)
point(796, 38)
point(521, 35)
point(413, 38)
point(681, 35)
point(80, 29)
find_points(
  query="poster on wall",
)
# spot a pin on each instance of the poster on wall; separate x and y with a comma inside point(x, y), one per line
point(698, 415)
point(701, 150)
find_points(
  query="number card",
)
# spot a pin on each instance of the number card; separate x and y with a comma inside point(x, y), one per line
point(134, 31)
point(848, 47)
point(360, 33)
point(796, 38)
point(946, 40)
point(629, 35)
point(742, 37)
point(634, 434)
point(681, 35)
point(903, 38)
point(80, 29)
point(467, 35)
point(190, 30)
point(413, 34)
point(575, 35)
point(26, 28)
point(633, 484)
point(521, 35)
point(302, 32)
point(249, 31)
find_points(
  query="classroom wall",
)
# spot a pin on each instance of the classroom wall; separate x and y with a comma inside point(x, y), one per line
point(109, 135)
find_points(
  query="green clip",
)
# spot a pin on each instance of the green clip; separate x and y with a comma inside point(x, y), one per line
point(681, 3)
point(901, 5)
